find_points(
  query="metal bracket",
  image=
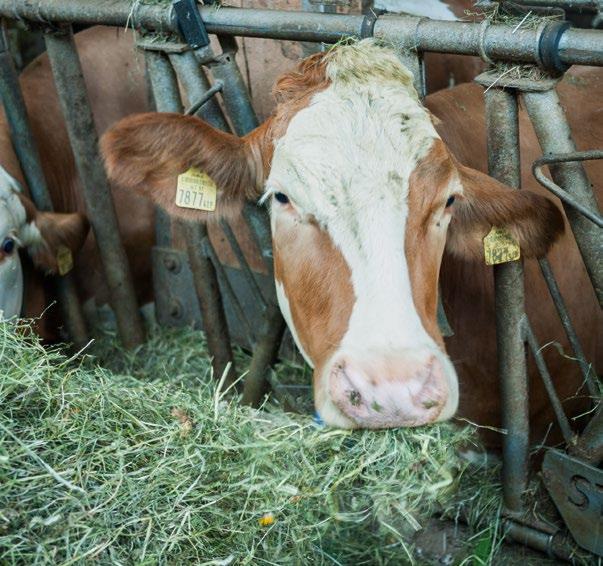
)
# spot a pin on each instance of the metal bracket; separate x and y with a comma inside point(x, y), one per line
point(577, 491)
point(190, 23)
point(495, 78)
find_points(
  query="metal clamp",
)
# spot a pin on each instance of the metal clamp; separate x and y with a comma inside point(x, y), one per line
point(548, 47)
point(190, 23)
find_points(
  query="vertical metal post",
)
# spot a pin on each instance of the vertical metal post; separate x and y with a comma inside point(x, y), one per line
point(195, 83)
point(210, 299)
point(234, 95)
point(552, 129)
point(71, 90)
point(29, 159)
point(167, 97)
point(503, 164)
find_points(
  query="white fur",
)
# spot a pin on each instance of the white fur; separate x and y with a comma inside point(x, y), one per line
point(434, 9)
point(286, 310)
point(13, 224)
point(346, 160)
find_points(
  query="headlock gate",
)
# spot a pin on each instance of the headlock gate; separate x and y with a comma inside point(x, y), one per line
point(573, 478)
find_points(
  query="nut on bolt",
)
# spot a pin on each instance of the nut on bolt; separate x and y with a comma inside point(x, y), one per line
point(172, 263)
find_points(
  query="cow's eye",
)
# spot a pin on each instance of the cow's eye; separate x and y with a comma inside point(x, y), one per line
point(450, 201)
point(281, 197)
point(8, 245)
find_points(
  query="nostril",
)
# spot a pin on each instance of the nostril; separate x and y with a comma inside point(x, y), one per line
point(355, 398)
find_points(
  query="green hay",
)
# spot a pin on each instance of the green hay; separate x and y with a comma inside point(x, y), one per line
point(147, 463)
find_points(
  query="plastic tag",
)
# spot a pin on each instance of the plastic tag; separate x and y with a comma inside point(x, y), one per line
point(196, 189)
point(64, 260)
point(500, 247)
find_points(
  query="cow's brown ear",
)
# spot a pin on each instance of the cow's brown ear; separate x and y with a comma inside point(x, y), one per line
point(58, 232)
point(533, 220)
point(147, 153)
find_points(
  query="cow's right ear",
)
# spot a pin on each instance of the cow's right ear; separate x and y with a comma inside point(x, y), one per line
point(147, 153)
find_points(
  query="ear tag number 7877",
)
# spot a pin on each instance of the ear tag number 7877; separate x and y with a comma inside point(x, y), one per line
point(196, 189)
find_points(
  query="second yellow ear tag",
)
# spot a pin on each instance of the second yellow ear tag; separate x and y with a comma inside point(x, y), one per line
point(500, 247)
point(196, 189)
point(64, 260)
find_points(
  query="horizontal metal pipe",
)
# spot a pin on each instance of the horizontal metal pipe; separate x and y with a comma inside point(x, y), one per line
point(576, 46)
point(554, 545)
point(581, 5)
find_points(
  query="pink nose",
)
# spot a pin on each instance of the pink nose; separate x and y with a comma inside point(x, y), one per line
point(388, 395)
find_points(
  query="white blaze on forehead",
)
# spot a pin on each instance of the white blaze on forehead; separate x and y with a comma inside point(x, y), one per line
point(346, 160)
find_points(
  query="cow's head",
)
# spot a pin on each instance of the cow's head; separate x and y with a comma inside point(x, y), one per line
point(41, 234)
point(364, 199)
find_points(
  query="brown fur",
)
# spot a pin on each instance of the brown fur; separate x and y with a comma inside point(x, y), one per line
point(57, 229)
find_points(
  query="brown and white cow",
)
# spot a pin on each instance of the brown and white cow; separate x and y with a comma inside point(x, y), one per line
point(116, 87)
point(365, 200)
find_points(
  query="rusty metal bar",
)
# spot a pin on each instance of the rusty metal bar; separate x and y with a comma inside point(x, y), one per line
point(166, 95)
point(265, 353)
point(27, 153)
point(247, 272)
point(555, 545)
point(564, 425)
point(196, 84)
point(572, 46)
point(585, 367)
point(504, 164)
point(71, 90)
point(560, 193)
point(548, 118)
point(238, 309)
point(235, 95)
point(210, 299)
point(589, 446)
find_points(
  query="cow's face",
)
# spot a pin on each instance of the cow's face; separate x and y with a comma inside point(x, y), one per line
point(41, 234)
point(364, 199)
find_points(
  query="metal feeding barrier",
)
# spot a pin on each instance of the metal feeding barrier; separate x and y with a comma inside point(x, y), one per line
point(573, 478)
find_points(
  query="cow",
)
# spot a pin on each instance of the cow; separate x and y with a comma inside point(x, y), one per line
point(116, 87)
point(367, 201)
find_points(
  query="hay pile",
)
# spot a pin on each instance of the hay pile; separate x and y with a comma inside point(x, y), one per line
point(146, 464)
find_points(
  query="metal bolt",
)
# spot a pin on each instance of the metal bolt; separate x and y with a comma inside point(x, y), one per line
point(176, 309)
point(172, 263)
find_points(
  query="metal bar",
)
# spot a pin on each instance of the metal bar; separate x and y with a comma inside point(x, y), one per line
point(71, 90)
point(503, 164)
point(576, 46)
point(235, 96)
point(249, 277)
point(27, 153)
point(566, 429)
point(196, 84)
point(210, 300)
point(234, 300)
point(585, 367)
point(548, 118)
point(206, 97)
point(264, 355)
point(589, 446)
point(164, 85)
point(557, 190)
point(258, 220)
point(554, 545)
point(581, 5)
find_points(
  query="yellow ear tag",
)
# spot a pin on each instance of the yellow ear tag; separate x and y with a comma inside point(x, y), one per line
point(196, 189)
point(64, 260)
point(500, 247)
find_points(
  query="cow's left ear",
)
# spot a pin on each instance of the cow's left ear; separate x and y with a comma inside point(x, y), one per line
point(45, 235)
point(533, 220)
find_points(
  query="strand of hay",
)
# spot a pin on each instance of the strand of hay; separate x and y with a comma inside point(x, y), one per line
point(146, 464)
